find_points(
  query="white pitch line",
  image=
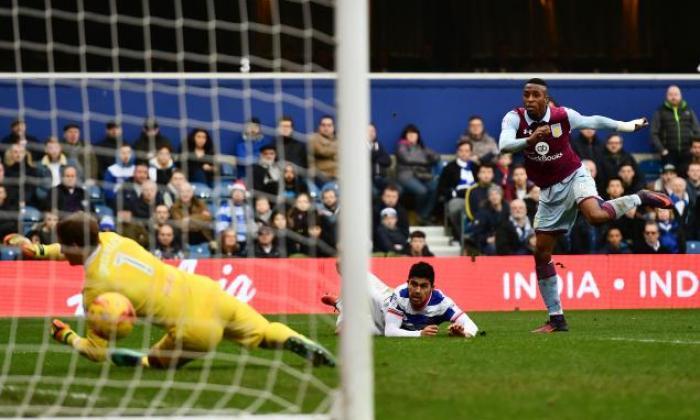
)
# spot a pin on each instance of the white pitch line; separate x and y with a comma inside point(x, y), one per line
point(649, 340)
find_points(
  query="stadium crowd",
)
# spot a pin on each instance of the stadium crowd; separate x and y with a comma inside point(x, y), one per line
point(278, 197)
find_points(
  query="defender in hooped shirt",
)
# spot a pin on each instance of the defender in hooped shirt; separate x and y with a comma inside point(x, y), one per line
point(543, 132)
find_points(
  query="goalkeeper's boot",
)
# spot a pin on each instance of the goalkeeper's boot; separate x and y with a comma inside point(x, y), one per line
point(61, 331)
point(126, 357)
point(654, 199)
point(556, 323)
point(309, 350)
point(330, 300)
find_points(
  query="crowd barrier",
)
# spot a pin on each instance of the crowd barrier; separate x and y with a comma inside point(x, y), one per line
point(43, 288)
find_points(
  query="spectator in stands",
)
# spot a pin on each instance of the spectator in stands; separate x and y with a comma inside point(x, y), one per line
point(663, 182)
point(456, 177)
point(316, 247)
point(18, 135)
point(673, 127)
point(107, 147)
point(324, 148)
point(263, 211)
point(107, 224)
point(286, 243)
point(128, 228)
point(45, 232)
point(11, 185)
point(684, 208)
point(693, 173)
point(614, 243)
point(417, 245)
point(593, 170)
point(291, 151)
point(414, 171)
point(68, 197)
point(484, 147)
point(192, 217)
point(513, 234)
point(250, 146)
point(694, 157)
point(150, 140)
point(8, 214)
point(615, 156)
point(167, 247)
point(614, 189)
point(228, 244)
point(631, 182)
point(237, 215)
point(265, 245)
point(51, 166)
point(532, 201)
point(519, 186)
point(388, 237)
point(267, 172)
point(501, 170)
point(197, 157)
point(293, 185)
point(143, 206)
point(118, 172)
point(161, 216)
point(380, 161)
point(588, 146)
point(390, 198)
point(670, 236)
point(20, 172)
point(171, 192)
point(630, 225)
point(162, 166)
point(328, 211)
point(79, 151)
point(477, 194)
point(651, 243)
point(490, 216)
point(129, 192)
point(302, 215)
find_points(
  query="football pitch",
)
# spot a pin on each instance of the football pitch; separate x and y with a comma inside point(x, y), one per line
point(612, 365)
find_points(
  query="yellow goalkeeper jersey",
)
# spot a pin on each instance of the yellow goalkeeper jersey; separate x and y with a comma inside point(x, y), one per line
point(160, 292)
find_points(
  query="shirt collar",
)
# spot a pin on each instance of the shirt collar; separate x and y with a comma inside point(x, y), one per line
point(546, 117)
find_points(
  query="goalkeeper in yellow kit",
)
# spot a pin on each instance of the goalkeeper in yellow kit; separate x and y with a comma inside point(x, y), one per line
point(193, 309)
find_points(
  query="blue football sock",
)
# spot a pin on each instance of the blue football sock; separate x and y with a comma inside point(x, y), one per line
point(547, 281)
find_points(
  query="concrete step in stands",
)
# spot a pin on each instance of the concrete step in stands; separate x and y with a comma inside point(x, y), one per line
point(438, 241)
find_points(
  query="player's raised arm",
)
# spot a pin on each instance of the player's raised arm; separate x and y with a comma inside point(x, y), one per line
point(599, 122)
point(34, 251)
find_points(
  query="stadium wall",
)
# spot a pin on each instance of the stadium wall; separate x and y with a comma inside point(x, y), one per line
point(43, 288)
point(438, 104)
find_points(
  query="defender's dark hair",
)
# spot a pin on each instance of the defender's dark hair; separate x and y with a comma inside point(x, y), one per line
point(536, 81)
point(422, 270)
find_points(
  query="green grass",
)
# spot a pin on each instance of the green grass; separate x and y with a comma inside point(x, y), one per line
point(613, 364)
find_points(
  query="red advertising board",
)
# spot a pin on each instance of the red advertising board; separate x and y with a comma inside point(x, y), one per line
point(41, 288)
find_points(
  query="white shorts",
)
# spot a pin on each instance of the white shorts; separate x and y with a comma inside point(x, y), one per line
point(379, 294)
point(558, 205)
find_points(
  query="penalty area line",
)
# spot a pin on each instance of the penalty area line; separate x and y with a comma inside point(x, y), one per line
point(649, 340)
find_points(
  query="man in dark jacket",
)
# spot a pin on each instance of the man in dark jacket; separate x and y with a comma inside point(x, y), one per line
point(673, 127)
point(18, 134)
point(388, 237)
point(615, 156)
point(106, 149)
point(513, 235)
point(587, 146)
point(390, 198)
point(150, 140)
point(651, 243)
point(493, 214)
point(68, 197)
point(290, 149)
point(380, 162)
point(456, 177)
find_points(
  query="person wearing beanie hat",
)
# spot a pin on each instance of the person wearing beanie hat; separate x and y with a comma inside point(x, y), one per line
point(388, 237)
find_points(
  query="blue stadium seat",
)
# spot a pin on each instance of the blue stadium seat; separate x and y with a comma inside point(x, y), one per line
point(202, 191)
point(102, 210)
point(9, 253)
point(95, 194)
point(692, 247)
point(650, 168)
point(31, 215)
point(199, 251)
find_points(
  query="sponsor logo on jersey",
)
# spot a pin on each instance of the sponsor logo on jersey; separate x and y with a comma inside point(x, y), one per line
point(546, 158)
point(542, 148)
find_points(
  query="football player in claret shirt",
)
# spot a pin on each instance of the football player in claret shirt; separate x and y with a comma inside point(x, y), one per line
point(194, 311)
point(543, 132)
point(413, 309)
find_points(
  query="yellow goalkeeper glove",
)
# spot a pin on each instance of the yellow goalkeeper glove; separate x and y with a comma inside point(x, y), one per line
point(61, 331)
point(31, 250)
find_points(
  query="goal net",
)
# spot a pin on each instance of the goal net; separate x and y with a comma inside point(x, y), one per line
point(152, 117)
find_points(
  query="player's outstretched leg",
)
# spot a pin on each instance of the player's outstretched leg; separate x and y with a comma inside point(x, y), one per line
point(547, 282)
point(277, 335)
point(597, 211)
